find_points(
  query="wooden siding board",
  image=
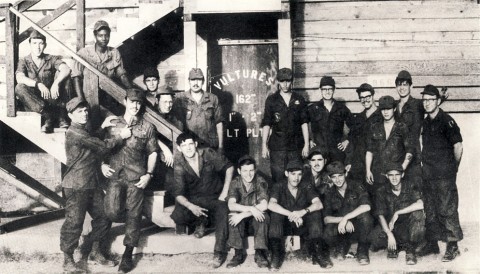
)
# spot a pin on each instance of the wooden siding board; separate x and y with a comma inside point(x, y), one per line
point(418, 68)
point(377, 10)
point(386, 25)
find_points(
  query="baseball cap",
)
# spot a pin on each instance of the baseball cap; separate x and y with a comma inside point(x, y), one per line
point(101, 24)
point(74, 103)
point(245, 158)
point(365, 87)
point(403, 76)
point(196, 73)
point(285, 74)
point(151, 72)
point(393, 166)
point(317, 151)
point(386, 102)
point(135, 94)
point(336, 167)
point(327, 81)
point(294, 165)
point(34, 34)
point(431, 90)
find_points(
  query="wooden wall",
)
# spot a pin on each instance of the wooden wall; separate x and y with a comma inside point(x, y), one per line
point(438, 42)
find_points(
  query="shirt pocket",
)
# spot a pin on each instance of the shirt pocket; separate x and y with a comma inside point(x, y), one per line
point(139, 138)
point(209, 113)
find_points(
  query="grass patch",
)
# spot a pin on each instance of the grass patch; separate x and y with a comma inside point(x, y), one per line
point(7, 256)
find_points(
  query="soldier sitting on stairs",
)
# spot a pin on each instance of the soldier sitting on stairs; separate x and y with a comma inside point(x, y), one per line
point(38, 89)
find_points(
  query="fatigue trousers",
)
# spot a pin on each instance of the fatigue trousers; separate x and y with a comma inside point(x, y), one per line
point(441, 208)
point(124, 203)
point(217, 214)
point(236, 234)
point(78, 203)
point(312, 227)
point(279, 160)
point(409, 231)
point(363, 225)
point(32, 100)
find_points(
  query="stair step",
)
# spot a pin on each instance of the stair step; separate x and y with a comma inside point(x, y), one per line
point(28, 125)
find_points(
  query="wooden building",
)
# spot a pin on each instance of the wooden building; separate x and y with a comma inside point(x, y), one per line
point(240, 44)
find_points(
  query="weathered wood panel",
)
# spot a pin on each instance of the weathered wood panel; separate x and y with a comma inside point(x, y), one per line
point(448, 106)
point(376, 10)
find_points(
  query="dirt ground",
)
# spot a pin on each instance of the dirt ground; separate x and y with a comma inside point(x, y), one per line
point(467, 262)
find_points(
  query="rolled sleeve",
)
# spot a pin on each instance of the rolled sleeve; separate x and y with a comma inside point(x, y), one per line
point(407, 140)
point(453, 131)
point(363, 196)
point(233, 190)
point(327, 205)
point(152, 144)
point(178, 189)
point(380, 204)
point(57, 62)
point(275, 193)
point(220, 162)
point(22, 67)
point(77, 68)
point(304, 117)
point(262, 190)
point(120, 69)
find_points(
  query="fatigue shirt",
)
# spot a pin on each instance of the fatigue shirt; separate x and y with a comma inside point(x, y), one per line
point(320, 186)
point(172, 117)
point(438, 137)
point(110, 63)
point(327, 127)
point(130, 160)
point(256, 193)
point(337, 206)
point(285, 121)
point(208, 184)
point(360, 126)
point(202, 119)
point(412, 115)
point(391, 150)
point(45, 74)
point(387, 202)
point(285, 198)
point(84, 153)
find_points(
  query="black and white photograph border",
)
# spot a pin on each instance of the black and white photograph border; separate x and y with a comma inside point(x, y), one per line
point(438, 41)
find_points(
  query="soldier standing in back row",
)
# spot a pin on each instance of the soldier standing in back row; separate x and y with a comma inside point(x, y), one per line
point(441, 154)
point(284, 126)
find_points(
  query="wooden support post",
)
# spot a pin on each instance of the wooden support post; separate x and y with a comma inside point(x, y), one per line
point(90, 90)
point(284, 44)
point(10, 59)
point(80, 24)
point(190, 47)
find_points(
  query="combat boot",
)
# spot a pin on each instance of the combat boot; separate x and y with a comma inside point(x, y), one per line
point(322, 256)
point(97, 256)
point(451, 252)
point(126, 265)
point(68, 263)
point(427, 248)
point(218, 259)
point(260, 258)
point(237, 259)
point(277, 252)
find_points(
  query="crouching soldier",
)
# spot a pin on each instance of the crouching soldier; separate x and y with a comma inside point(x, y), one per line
point(347, 215)
point(296, 210)
point(247, 202)
point(400, 203)
point(200, 193)
point(80, 185)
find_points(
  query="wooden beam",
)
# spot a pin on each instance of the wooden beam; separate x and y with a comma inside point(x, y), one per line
point(11, 43)
point(48, 19)
point(19, 175)
point(284, 44)
point(232, 6)
point(80, 24)
point(24, 5)
point(189, 47)
point(32, 220)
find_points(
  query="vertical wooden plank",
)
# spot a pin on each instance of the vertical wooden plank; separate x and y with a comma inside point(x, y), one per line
point(10, 41)
point(284, 44)
point(190, 47)
point(90, 90)
point(80, 24)
point(202, 51)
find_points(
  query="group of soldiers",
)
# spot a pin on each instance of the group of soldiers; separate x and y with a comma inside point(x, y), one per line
point(385, 177)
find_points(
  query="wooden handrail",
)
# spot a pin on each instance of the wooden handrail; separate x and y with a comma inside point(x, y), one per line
point(118, 93)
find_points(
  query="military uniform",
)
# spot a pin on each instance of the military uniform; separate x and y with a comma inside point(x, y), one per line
point(202, 190)
point(81, 186)
point(360, 126)
point(386, 151)
point(327, 127)
point(252, 197)
point(439, 169)
point(286, 140)
point(130, 163)
point(409, 229)
point(320, 185)
point(337, 206)
point(280, 226)
point(202, 118)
